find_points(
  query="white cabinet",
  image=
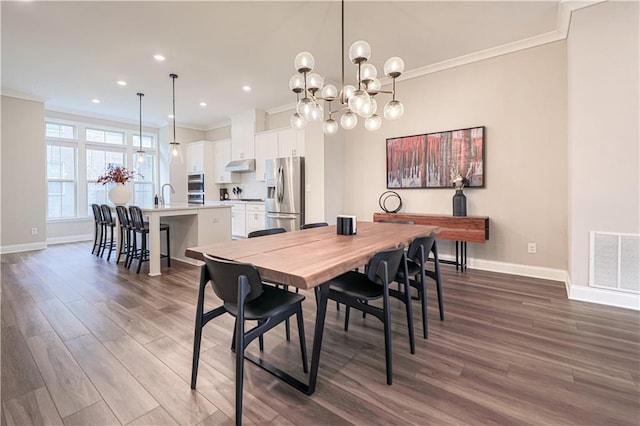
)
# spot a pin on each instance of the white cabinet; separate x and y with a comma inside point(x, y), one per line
point(255, 219)
point(276, 144)
point(290, 143)
point(221, 157)
point(238, 220)
point(266, 148)
point(243, 129)
point(195, 157)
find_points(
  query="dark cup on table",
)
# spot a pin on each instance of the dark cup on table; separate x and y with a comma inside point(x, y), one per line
point(346, 225)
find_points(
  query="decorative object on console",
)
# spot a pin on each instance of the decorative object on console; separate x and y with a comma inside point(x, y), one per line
point(459, 199)
point(353, 101)
point(390, 202)
point(425, 161)
point(119, 194)
point(140, 153)
point(174, 146)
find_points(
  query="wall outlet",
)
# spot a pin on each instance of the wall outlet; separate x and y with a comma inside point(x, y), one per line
point(34, 231)
point(531, 248)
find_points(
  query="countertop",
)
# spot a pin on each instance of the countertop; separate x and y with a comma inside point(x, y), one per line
point(186, 206)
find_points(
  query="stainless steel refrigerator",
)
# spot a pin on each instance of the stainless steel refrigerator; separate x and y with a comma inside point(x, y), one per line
point(285, 193)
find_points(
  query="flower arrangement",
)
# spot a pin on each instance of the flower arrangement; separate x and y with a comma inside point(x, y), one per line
point(457, 179)
point(117, 174)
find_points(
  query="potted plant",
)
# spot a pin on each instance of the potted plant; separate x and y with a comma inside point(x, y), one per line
point(119, 194)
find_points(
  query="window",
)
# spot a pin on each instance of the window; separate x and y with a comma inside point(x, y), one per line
point(78, 153)
point(105, 136)
point(61, 181)
point(97, 162)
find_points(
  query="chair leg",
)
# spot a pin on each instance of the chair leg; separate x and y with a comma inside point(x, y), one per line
point(338, 306)
point(239, 342)
point(436, 262)
point(409, 307)
point(347, 311)
point(110, 243)
point(122, 245)
point(103, 239)
point(387, 337)
point(287, 329)
point(233, 339)
point(423, 301)
point(303, 344)
point(197, 337)
point(143, 249)
point(95, 237)
point(133, 247)
point(168, 249)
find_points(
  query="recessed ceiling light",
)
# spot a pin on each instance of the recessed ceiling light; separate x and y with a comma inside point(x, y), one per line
point(246, 88)
point(122, 83)
point(170, 115)
point(95, 101)
point(203, 104)
point(159, 57)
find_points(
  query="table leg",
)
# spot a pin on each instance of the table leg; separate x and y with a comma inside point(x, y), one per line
point(154, 244)
point(322, 295)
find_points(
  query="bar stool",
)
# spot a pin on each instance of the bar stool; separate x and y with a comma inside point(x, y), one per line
point(98, 233)
point(125, 235)
point(109, 224)
point(139, 226)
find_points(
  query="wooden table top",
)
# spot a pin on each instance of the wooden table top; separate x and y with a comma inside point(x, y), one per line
point(308, 258)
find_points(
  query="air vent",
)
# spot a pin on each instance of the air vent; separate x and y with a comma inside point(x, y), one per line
point(614, 261)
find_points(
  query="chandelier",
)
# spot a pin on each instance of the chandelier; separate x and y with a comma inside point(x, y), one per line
point(174, 146)
point(353, 100)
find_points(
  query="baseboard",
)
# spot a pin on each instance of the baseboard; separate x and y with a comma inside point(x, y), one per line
point(603, 296)
point(514, 268)
point(70, 239)
point(17, 248)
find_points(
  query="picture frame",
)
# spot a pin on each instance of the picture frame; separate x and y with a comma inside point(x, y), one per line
point(433, 160)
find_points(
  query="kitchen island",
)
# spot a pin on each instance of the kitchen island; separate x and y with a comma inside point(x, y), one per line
point(191, 225)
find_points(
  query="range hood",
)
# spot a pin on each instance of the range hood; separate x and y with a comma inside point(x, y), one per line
point(241, 166)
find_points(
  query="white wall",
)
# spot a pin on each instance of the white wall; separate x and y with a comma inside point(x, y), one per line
point(177, 171)
point(24, 188)
point(521, 99)
point(603, 126)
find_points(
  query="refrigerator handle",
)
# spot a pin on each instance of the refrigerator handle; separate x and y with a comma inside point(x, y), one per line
point(280, 185)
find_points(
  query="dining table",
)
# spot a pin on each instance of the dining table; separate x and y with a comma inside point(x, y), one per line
point(308, 259)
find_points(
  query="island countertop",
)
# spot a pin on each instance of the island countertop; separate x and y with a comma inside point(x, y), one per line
point(184, 206)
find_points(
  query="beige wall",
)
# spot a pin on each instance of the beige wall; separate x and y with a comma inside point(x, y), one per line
point(24, 188)
point(218, 134)
point(603, 126)
point(521, 99)
point(177, 175)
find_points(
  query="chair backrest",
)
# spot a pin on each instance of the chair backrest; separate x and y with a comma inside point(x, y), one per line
point(97, 213)
point(224, 275)
point(406, 222)
point(137, 219)
point(392, 258)
point(106, 214)
point(264, 232)
point(413, 252)
point(314, 225)
point(123, 216)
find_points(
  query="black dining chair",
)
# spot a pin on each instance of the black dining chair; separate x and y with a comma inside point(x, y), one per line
point(356, 289)
point(264, 232)
point(246, 298)
point(417, 273)
point(314, 225)
point(139, 226)
point(98, 231)
point(109, 225)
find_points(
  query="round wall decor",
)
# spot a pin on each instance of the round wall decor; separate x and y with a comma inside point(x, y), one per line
point(390, 202)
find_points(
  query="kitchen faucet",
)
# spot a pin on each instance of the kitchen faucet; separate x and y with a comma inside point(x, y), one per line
point(173, 191)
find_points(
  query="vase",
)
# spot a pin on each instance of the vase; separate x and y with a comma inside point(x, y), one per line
point(119, 194)
point(459, 203)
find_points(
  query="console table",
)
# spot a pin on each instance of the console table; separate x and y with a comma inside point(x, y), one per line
point(461, 229)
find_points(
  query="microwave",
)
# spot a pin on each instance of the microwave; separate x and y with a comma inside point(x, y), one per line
point(195, 197)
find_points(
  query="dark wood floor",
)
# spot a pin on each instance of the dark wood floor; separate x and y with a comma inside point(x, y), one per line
point(85, 341)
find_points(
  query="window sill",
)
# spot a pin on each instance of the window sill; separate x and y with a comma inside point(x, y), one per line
point(71, 220)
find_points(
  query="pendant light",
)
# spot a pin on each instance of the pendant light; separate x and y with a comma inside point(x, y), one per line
point(140, 153)
point(175, 150)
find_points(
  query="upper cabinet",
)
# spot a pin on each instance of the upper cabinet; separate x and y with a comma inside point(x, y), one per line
point(278, 143)
point(291, 143)
point(195, 157)
point(222, 156)
point(243, 129)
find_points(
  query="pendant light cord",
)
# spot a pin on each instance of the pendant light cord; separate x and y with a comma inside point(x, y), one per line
point(140, 145)
point(173, 77)
point(342, 47)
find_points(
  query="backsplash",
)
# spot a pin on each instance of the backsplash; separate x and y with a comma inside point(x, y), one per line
point(250, 187)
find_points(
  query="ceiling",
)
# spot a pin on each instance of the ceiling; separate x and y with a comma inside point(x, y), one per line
point(67, 53)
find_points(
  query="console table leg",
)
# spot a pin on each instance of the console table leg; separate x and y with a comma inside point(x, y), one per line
point(457, 255)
